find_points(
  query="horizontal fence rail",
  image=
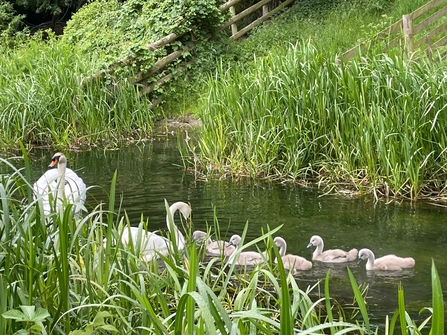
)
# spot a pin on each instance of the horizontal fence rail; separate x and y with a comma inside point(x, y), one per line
point(422, 30)
point(235, 25)
point(425, 29)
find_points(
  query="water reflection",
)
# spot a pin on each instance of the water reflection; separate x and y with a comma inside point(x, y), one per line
point(152, 172)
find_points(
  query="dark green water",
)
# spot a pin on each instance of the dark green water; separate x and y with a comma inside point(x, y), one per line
point(150, 173)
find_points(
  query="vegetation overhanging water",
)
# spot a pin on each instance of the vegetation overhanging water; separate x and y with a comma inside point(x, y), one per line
point(146, 175)
point(372, 125)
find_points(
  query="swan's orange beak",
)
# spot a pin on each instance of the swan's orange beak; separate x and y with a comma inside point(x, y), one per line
point(53, 162)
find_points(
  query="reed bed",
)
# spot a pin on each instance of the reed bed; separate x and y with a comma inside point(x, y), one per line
point(59, 277)
point(376, 124)
point(45, 100)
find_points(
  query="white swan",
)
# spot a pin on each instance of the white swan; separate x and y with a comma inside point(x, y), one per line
point(385, 263)
point(245, 257)
point(332, 255)
point(61, 184)
point(213, 248)
point(291, 262)
point(153, 245)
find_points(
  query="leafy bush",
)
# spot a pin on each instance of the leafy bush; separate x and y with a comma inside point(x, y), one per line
point(117, 29)
point(10, 22)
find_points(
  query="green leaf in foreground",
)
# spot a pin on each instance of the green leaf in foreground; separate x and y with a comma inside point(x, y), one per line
point(359, 299)
point(437, 327)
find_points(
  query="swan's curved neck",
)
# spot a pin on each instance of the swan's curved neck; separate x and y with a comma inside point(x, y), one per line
point(61, 167)
point(370, 261)
point(179, 238)
point(282, 249)
point(319, 249)
point(232, 258)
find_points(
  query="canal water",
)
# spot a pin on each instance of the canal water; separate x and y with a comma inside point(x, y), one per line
point(153, 171)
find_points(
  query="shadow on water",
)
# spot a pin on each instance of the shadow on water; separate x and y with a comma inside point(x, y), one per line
point(150, 173)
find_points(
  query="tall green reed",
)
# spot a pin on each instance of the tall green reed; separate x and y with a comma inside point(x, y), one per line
point(407, 325)
point(375, 122)
point(47, 100)
point(60, 266)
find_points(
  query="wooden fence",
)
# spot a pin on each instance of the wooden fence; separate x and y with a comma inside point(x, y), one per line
point(237, 27)
point(425, 29)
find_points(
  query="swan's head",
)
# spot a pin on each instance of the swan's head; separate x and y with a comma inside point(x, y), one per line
point(279, 242)
point(315, 241)
point(364, 254)
point(199, 236)
point(57, 158)
point(234, 240)
point(181, 206)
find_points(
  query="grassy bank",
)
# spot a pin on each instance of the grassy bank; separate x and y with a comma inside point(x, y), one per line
point(46, 100)
point(376, 125)
point(58, 277)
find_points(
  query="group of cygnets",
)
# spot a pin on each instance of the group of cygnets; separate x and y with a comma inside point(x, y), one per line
point(64, 181)
point(298, 263)
point(152, 246)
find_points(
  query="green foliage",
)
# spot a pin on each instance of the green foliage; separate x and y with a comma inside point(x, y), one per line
point(92, 29)
point(60, 277)
point(32, 318)
point(376, 123)
point(98, 323)
point(52, 7)
point(117, 29)
point(333, 25)
point(10, 22)
point(438, 309)
point(47, 100)
point(407, 325)
point(83, 285)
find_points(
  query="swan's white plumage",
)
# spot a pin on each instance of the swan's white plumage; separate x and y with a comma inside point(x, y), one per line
point(385, 263)
point(291, 262)
point(213, 248)
point(331, 255)
point(153, 245)
point(73, 188)
point(244, 257)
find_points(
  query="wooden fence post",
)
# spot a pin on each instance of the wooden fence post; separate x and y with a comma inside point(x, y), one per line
point(407, 26)
point(265, 11)
point(234, 25)
point(429, 52)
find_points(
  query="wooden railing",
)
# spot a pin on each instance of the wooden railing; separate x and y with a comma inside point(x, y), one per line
point(425, 29)
point(255, 15)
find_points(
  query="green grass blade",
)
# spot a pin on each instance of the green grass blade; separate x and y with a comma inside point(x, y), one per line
point(193, 270)
point(286, 322)
point(359, 299)
point(327, 297)
point(437, 327)
point(401, 309)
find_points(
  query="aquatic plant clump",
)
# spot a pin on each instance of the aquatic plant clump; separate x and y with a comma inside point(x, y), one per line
point(376, 124)
point(60, 277)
